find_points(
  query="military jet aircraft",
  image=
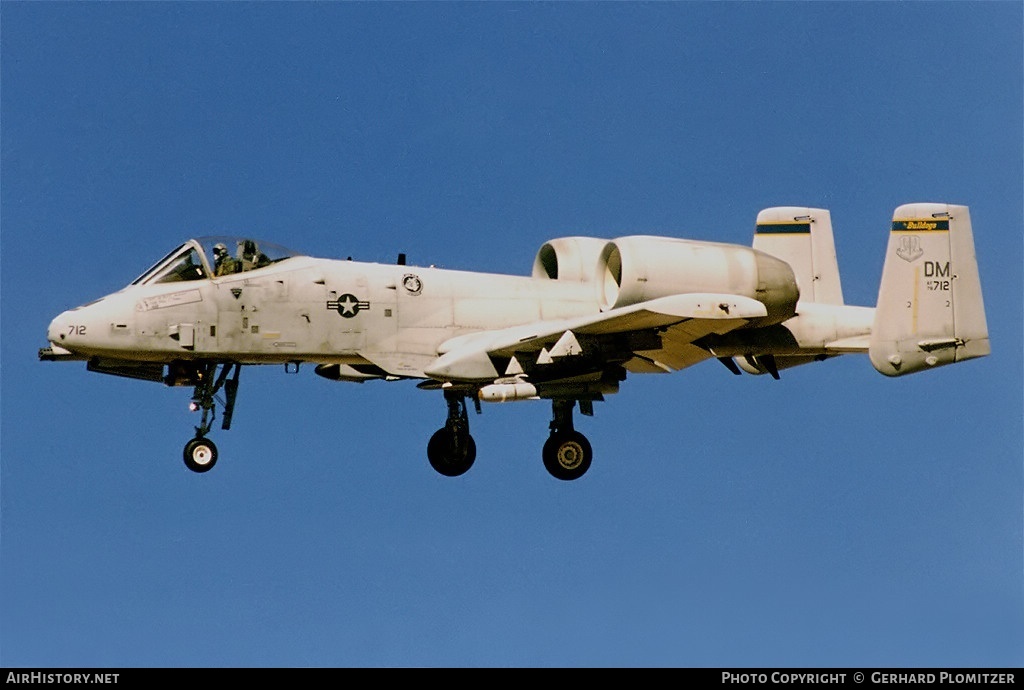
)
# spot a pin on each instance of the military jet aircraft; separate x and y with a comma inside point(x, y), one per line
point(592, 312)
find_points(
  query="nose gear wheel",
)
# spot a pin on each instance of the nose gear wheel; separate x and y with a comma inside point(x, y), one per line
point(200, 454)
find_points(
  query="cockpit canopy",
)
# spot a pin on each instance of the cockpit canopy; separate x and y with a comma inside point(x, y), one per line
point(211, 257)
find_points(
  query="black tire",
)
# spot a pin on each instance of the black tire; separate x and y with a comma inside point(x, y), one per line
point(446, 458)
point(567, 455)
point(200, 455)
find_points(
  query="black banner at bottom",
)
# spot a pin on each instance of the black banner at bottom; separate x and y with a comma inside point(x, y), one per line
point(719, 676)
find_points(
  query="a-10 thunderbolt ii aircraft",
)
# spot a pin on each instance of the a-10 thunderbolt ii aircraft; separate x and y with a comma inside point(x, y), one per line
point(592, 312)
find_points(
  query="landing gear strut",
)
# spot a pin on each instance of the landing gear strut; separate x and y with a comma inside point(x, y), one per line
point(201, 453)
point(567, 453)
point(451, 450)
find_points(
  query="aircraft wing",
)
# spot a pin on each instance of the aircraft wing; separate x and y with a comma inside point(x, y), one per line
point(677, 319)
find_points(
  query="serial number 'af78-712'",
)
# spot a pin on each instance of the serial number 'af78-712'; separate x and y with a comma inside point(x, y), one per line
point(592, 312)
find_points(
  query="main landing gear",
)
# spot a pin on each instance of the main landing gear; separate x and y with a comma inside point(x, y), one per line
point(452, 450)
point(200, 453)
point(567, 453)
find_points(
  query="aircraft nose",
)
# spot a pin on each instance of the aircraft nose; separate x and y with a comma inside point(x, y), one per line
point(58, 329)
point(76, 328)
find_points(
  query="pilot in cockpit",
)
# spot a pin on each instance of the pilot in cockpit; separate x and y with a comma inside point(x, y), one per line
point(222, 261)
point(250, 256)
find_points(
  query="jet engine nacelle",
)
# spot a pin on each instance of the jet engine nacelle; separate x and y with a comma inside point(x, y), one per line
point(639, 268)
point(569, 258)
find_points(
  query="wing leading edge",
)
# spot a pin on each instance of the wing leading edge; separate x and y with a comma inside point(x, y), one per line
point(648, 334)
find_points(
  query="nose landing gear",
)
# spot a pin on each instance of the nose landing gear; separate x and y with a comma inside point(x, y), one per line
point(200, 453)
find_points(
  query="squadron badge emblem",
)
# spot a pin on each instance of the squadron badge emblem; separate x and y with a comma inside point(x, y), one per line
point(412, 284)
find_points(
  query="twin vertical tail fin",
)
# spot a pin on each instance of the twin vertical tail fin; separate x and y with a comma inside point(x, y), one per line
point(802, 237)
point(930, 311)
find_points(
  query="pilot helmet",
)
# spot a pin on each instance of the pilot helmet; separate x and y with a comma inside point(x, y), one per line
point(219, 249)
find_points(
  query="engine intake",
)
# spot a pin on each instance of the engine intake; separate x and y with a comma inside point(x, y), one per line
point(569, 258)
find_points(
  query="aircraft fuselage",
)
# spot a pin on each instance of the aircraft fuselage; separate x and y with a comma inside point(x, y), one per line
point(313, 310)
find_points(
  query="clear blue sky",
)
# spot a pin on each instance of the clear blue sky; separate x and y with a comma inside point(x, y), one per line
point(833, 518)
